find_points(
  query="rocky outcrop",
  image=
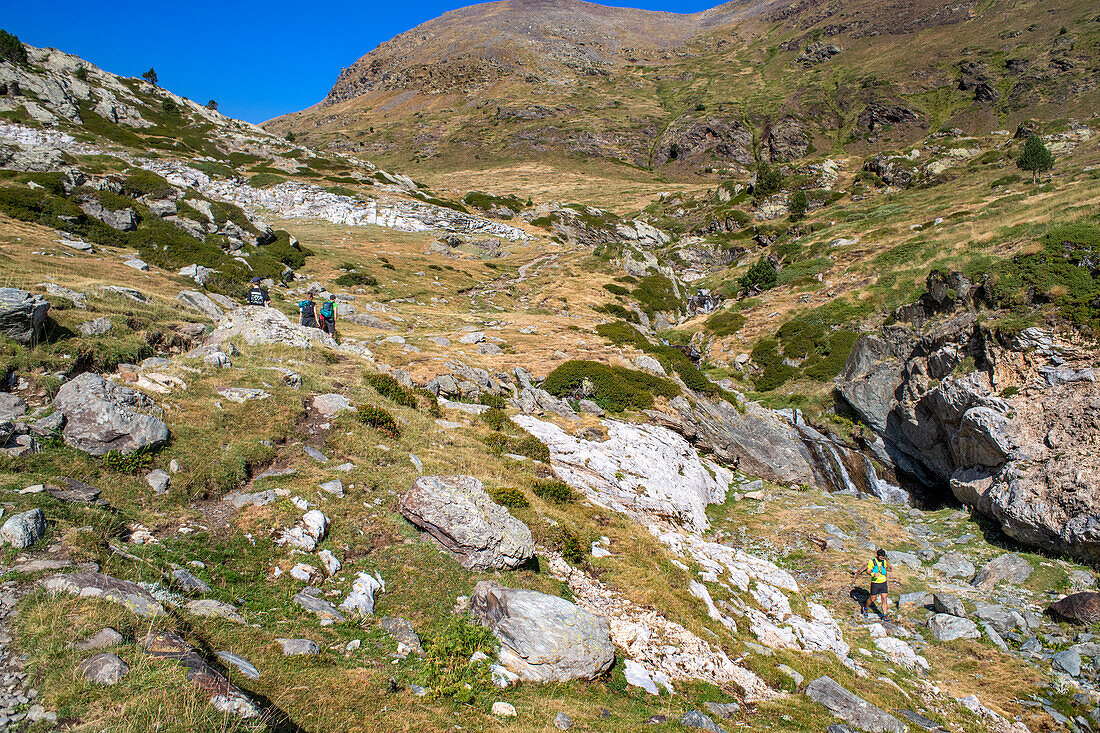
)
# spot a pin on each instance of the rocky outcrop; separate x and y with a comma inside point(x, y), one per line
point(695, 141)
point(1023, 459)
point(816, 53)
point(786, 140)
point(224, 696)
point(1078, 608)
point(874, 117)
point(101, 417)
point(543, 638)
point(23, 316)
point(458, 513)
point(851, 708)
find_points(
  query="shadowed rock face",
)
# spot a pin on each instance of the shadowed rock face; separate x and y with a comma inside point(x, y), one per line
point(457, 513)
point(1078, 608)
point(543, 638)
point(22, 316)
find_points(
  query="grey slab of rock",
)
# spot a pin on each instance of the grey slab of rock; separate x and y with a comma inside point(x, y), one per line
point(240, 395)
point(24, 529)
point(12, 407)
point(907, 558)
point(215, 609)
point(103, 669)
point(947, 603)
point(996, 616)
point(187, 582)
point(1078, 608)
point(458, 513)
point(334, 487)
point(76, 492)
point(202, 303)
point(296, 647)
point(331, 405)
point(402, 631)
point(1068, 661)
point(543, 638)
point(23, 316)
point(79, 300)
point(946, 627)
point(239, 663)
point(224, 696)
point(851, 708)
point(993, 636)
point(101, 416)
point(955, 565)
point(317, 606)
point(95, 585)
point(696, 719)
point(140, 265)
point(1009, 568)
point(277, 473)
point(798, 679)
point(360, 601)
point(919, 720)
point(96, 327)
point(103, 638)
point(562, 721)
point(135, 295)
point(158, 481)
point(258, 498)
point(315, 454)
point(918, 598)
point(474, 337)
point(723, 710)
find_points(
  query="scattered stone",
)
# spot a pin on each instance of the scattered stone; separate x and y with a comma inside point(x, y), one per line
point(460, 515)
point(307, 533)
point(23, 316)
point(946, 627)
point(315, 454)
point(725, 710)
point(1008, 567)
point(360, 600)
point(296, 647)
point(24, 529)
point(474, 337)
point(695, 719)
point(955, 565)
point(241, 664)
point(906, 558)
point(947, 603)
point(215, 609)
point(96, 585)
point(331, 563)
point(303, 572)
point(97, 327)
point(918, 598)
point(137, 264)
point(543, 638)
point(319, 607)
point(240, 395)
point(402, 631)
point(851, 708)
point(334, 487)
point(331, 405)
point(158, 481)
point(76, 492)
point(224, 696)
point(562, 721)
point(1068, 661)
point(795, 676)
point(103, 638)
point(504, 710)
point(996, 616)
point(103, 669)
point(101, 416)
point(200, 301)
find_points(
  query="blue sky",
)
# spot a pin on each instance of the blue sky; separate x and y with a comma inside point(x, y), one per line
point(257, 59)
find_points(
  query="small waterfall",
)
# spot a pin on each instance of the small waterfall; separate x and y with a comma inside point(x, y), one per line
point(841, 468)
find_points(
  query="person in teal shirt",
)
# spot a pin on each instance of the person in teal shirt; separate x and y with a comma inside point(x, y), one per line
point(308, 309)
point(328, 316)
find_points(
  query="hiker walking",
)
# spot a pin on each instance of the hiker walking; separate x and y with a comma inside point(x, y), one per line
point(257, 294)
point(878, 569)
point(328, 316)
point(308, 309)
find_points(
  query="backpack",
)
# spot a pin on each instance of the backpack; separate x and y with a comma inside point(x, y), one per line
point(876, 569)
point(326, 308)
point(307, 309)
point(256, 296)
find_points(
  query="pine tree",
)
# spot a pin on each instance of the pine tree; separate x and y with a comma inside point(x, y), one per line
point(12, 49)
point(150, 75)
point(799, 203)
point(1035, 158)
point(212, 105)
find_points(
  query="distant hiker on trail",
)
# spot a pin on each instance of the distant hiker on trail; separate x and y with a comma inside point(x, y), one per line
point(257, 294)
point(328, 316)
point(877, 569)
point(309, 312)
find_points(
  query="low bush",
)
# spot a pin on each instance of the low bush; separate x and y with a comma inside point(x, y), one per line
point(725, 323)
point(554, 491)
point(380, 420)
point(391, 389)
point(447, 669)
point(355, 279)
point(762, 275)
point(495, 418)
point(614, 388)
point(146, 183)
point(617, 311)
point(265, 180)
point(773, 372)
point(139, 461)
point(616, 289)
point(531, 447)
point(509, 497)
point(568, 543)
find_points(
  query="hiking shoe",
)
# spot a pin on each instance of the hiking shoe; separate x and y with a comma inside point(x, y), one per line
point(864, 612)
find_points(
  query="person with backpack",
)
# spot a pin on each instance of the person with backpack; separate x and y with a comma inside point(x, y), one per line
point(257, 294)
point(308, 309)
point(878, 570)
point(328, 316)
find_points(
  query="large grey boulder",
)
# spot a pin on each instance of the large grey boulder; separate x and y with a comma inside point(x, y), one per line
point(1008, 568)
point(202, 303)
point(23, 316)
point(12, 407)
point(1078, 608)
point(458, 513)
point(543, 638)
point(95, 585)
point(124, 220)
point(945, 627)
point(1068, 661)
point(103, 669)
point(851, 708)
point(24, 529)
point(224, 696)
point(947, 603)
point(999, 617)
point(955, 565)
point(101, 416)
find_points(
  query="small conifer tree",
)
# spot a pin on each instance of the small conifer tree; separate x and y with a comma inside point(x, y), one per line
point(150, 75)
point(1035, 158)
point(212, 105)
point(12, 49)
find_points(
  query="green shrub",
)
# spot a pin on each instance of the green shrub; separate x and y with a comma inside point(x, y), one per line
point(485, 201)
point(656, 293)
point(380, 420)
point(495, 418)
point(496, 442)
point(773, 372)
point(554, 491)
point(509, 497)
point(799, 203)
point(492, 400)
point(354, 279)
point(614, 388)
point(169, 107)
point(626, 279)
point(265, 180)
point(724, 323)
point(1010, 391)
point(768, 181)
point(531, 447)
point(139, 461)
point(616, 289)
point(391, 389)
point(616, 311)
point(568, 543)
point(146, 183)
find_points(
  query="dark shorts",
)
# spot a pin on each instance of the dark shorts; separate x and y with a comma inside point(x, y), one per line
point(328, 326)
point(309, 323)
point(878, 589)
